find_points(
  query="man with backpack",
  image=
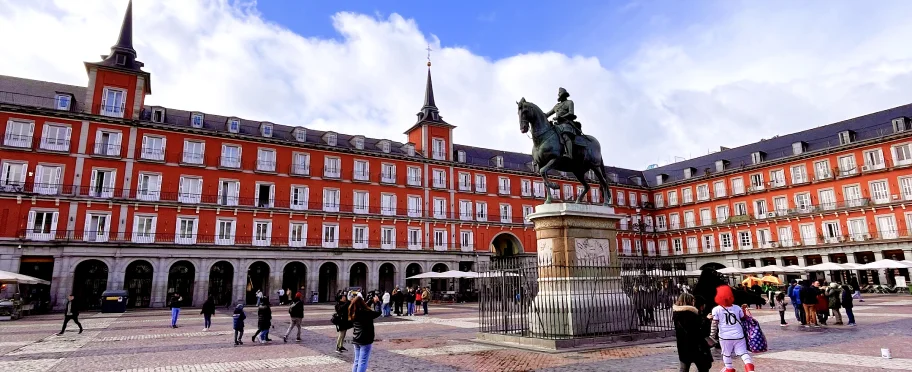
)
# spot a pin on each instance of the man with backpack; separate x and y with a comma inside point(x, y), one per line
point(296, 311)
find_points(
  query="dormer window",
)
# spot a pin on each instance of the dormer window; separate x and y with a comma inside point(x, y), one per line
point(330, 138)
point(720, 165)
point(158, 115)
point(63, 102)
point(300, 134)
point(498, 161)
point(266, 129)
point(660, 178)
point(638, 181)
point(613, 177)
point(120, 59)
point(846, 137)
point(460, 156)
point(689, 172)
point(384, 146)
point(358, 142)
point(234, 125)
point(196, 120)
point(901, 124)
point(409, 149)
point(757, 157)
point(798, 148)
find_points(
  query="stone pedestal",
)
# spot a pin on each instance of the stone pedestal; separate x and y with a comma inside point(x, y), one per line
point(579, 284)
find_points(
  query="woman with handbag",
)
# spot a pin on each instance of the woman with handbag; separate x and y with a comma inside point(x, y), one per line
point(362, 320)
point(692, 346)
point(728, 329)
point(340, 319)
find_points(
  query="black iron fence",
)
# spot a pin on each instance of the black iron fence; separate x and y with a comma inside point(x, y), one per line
point(527, 297)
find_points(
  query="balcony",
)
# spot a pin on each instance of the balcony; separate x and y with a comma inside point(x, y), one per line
point(192, 158)
point(358, 175)
point(54, 144)
point(18, 141)
point(464, 186)
point(332, 172)
point(265, 165)
point(152, 154)
point(413, 181)
point(107, 149)
point(414, 212)
point(439, 183)
point(230, 162)
point(390, 178)
point(503, 191)
point(299, 170)
point(481, 188)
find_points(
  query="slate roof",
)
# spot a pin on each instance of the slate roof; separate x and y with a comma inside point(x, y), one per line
point(36, 93)
point(865, 127)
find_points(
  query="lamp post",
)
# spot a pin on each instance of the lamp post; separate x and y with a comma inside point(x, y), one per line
point(638, 224)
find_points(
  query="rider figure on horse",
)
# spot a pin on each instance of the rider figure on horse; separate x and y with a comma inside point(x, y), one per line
point(565, 121)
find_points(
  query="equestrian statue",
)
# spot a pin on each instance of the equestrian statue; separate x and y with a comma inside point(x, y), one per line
point(561, 145)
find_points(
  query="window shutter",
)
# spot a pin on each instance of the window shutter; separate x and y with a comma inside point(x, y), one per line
point(180, 187)
point(107, 229)
point(23, 174)
point(31, 221)
point(117, 143)
point(104, 103)
point(109, 182)
point(271, 195)
point(56, 178)
point(98, 149)
point(87, 227)
point(69, 133)
point(92, 181)
point(145, 144)
point(156, 185)
point(135, 227)
point(256, 194)
point(123, 101)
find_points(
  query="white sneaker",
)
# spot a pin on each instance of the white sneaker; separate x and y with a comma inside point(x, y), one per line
point(205, 329)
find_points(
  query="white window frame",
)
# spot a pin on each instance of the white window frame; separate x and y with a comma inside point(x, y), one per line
point(332, 167)
point(413, 238)
point(55, 143)
point(525, 187)
point(438, 149)
point(439, 177)
point(466, 240)
point(902, 154)
point(466, 210)
point(299, 197)
point(481, 211)
point(388, 204)
point(266, 160)
point(387, 237)
point(188, 156)
point(300, 165)
point(183, 236)
point(440, 240)
point(225, 237)
point(703, 192)
point(388, 172)
point(726, 244)
point(330, 235)
point(48, 228)
point(331, 198)
point(481, 183)
point(152, 151)
point(880, 191)
point(413, 176)
point(362, 241)
point(360, 202)
point(737, 186)
point(117, 107)
point(112, 148)
point(10, 180)
point(146, 237)
point(440, 208)
point(297, 234)
point(48, 172)
point(799, 174)
point(228, 160)
point(414, 206)
point(100, 234)
point(190, 189)
point(506, 213)
point(503, 185)
point(105, 190)
point(148, 190)
point(361, 170)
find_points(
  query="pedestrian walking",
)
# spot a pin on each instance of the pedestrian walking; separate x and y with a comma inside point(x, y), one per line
point(856, 289)
point(207, 311)
point(847, 304)
point(386, 303)
point(362, 319)
point(727, 329)
point(175, 305)
point(238, 320)
point(692, 346)
point(808, 295)
point(410, 302)
point(425, 298)
point(259, 297)
point(834, 295)
point(296, 312)
point(398, 298)
point(264, 321)
point(780, 306)
point(340, 320)
point(71, 312)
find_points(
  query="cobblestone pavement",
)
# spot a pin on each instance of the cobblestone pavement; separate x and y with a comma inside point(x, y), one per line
point(141, 340)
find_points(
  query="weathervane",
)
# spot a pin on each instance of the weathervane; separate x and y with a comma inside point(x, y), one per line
point(429, 54)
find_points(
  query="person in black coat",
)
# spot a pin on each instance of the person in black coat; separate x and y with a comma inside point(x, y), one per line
point(704, 293)
point(398, 298)
point(362, 318)
point(264, 321)
point(808, 295)
point(70, 312)
point(340, 319)
point(692, 345)
point(207, 311)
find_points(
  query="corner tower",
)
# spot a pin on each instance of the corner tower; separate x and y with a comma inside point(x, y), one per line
point(431, 135)
point(117, 85)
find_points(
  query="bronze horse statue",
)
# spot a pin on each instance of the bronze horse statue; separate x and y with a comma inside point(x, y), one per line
point(547, 150)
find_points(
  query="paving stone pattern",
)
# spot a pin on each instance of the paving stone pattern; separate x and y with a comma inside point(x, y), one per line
point(141, 340)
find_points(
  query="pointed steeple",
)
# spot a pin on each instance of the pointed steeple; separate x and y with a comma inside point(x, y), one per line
point(429, 112)
point(122, 54)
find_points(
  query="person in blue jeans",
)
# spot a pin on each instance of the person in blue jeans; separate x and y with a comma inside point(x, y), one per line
point(175, 305)
point(386, 303)
point(796, 302)
point(362, 319)
point(847, 304)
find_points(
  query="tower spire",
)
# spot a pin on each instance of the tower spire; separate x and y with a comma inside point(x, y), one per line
point(122, 53)
point(429, 111)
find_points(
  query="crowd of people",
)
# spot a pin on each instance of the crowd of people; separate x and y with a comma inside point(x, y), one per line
point(716, 315)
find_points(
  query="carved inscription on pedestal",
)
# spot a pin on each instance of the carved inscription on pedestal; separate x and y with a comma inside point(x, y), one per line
point(591, 251)
point(545, 250)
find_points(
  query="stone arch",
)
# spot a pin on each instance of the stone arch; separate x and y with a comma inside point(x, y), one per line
point(138, 278)
point(439, 285)
point(506, 244)
point(294, 278)
point(387, 276)
point(328, 281)
point(90, 279)
point(411, 269)
point(181, 280)
point(357, 275)
point(221, 281)
point(258, 278)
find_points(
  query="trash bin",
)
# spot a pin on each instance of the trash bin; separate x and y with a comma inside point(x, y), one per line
point(114, 301)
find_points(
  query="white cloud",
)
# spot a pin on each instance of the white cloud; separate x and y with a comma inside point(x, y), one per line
point(756, 73)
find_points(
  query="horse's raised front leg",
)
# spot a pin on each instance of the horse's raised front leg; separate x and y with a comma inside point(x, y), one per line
point(543, 171)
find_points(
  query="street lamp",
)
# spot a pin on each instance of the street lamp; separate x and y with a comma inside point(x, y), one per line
point(638, 224)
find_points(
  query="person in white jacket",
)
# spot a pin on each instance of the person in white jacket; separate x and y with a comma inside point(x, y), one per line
point(386, 303)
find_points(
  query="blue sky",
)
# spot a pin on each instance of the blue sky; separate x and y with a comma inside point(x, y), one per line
point(610, 30)
point(652, 80)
